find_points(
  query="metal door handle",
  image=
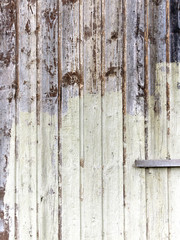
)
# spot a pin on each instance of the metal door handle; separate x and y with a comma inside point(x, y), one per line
point(157, 163)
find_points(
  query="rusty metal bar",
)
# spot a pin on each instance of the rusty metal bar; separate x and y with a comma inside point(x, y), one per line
point(157, 163)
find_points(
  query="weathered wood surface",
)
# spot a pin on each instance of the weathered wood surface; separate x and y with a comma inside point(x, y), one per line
point(86, 88)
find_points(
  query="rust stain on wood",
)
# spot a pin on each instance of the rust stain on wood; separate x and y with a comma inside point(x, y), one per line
point(168, 100)
point(82, 163)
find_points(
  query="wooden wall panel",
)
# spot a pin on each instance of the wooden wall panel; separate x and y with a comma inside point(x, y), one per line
point(86, 88)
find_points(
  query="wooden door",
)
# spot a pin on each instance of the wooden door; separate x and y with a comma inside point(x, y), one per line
point(86, 88)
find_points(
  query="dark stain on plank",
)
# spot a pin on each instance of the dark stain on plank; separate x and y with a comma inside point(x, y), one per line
point(66, 2)
point(112, 71)
point(7, 30)
point(114, 35)
point(32, 1)
point(6, 58)
point(4, 212)
point(157, 2)
point(51, 15)
point(71, 78)
point(87, 32)
point(53, 92)
point(8, 16)
point(28, 27)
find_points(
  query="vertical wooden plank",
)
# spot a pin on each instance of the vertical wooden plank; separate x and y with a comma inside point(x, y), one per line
point(157, 191)
point(7, 117)
point(26, 127)
point(112, 122)
point(92, 164)
point(174, 117)
point(47, 79)
point(70, 129)
point(133, 110)
point(174, 174)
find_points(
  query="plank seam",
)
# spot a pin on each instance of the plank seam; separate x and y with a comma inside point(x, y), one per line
point(146, 96)
point(16, 117)
point(124, 106)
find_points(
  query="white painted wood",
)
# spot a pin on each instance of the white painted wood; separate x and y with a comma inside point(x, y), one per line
point(174, 174)
point(70, 129)
point(92, 171)
point(134, 139)
point(47, 119)
point(157, 192)
point(112, 123)
point(26, 125)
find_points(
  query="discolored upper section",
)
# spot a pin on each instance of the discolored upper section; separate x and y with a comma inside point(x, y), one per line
point(175, 30)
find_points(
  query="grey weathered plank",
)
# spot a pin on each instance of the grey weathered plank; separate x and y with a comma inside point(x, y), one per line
point(7, 117)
